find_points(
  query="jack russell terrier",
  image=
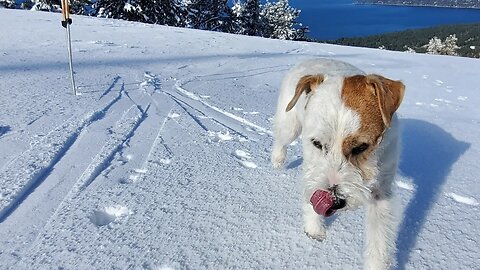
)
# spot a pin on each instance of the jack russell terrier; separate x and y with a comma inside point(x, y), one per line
point(350, 137)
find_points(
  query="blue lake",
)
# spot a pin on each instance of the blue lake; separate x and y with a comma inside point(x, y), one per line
point(332, 19)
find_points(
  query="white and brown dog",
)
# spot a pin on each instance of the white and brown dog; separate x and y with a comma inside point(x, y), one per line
point(350, 139)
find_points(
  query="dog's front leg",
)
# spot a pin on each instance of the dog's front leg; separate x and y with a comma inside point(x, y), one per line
point(381, 229)
point(314, 224)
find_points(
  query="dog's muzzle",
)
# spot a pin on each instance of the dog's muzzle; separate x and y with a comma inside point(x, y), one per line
point(326, 203)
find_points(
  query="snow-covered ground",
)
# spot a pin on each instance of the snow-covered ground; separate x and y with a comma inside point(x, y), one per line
point(162, 162)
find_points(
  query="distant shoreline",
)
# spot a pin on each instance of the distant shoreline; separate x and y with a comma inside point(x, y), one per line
point(414, 5)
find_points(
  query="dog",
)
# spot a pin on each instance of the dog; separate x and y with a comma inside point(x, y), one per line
point(350, 138)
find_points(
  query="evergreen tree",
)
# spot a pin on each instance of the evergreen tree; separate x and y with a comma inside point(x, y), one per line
point(235, 24)
point(245, 18)
point(167, 12)
point(251, 18)
point(208, 14)
point(81, 7)
point(8, 3)
point(279, 21)
point(48, 5)
point(27, 4)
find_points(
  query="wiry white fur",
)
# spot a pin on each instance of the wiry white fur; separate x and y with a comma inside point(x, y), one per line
point(323, 116)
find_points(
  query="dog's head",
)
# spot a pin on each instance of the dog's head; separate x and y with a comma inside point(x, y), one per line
point(345, 120)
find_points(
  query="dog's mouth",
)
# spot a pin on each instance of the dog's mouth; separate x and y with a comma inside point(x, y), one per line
point(326, 203)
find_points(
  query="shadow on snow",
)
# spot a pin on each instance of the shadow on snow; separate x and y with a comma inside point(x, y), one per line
point(428, 154)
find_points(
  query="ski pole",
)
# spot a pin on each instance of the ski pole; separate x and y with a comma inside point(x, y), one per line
point(66, 24)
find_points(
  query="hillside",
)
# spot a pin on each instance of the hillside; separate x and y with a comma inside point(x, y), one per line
point(468, 39)
point(162, 161)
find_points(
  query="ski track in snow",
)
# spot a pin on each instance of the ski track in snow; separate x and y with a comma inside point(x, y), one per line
point(122, 131)
point(194, 97)
point(28, 170)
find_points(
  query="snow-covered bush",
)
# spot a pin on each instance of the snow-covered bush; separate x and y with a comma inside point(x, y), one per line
point(450, 45)
point(409, 50)
point(436, 46)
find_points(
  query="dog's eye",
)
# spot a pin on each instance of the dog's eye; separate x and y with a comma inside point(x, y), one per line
point(317, 144)
point(360, 149)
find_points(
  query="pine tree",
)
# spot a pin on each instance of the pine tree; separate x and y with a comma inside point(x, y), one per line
point(8, 3)
point(235, 23)
point(81, 7)
point(279, 21)
point(27, 4)
point(167, 12)
point(251, 18)
point(245, 18)
point(208, 14)
point(48, 5)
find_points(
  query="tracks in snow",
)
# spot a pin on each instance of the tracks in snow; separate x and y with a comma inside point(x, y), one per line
point(65, 162)
point(192, 103)
point(24, 173)
point(43, 181)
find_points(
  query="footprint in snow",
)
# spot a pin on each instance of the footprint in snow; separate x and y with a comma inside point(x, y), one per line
point(220, 136)
point(108, 214)
point(438, 82)
point(243, 158)
point(442, 100)
point(462, 199)
point(173, 115)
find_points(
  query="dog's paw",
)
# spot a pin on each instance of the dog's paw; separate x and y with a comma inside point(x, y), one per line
point(278, 157)
point(318, 233)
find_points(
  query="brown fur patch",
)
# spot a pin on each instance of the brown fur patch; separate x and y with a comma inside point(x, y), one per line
point(375, 99)
point(305, 84)
point(389, 94)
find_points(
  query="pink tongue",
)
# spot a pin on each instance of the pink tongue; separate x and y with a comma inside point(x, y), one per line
point(322, 201)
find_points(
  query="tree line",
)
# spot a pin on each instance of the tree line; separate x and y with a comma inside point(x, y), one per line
point(247, 17)
point(459, 39)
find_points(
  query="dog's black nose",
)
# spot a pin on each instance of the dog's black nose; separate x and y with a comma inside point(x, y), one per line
point(338, 203)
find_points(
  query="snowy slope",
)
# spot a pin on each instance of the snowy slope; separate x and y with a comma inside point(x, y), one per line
point(162, 162)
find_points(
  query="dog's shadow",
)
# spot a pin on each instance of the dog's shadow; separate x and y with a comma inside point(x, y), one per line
point(428, 153)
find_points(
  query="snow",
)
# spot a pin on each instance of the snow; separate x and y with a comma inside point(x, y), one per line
point(162, 162)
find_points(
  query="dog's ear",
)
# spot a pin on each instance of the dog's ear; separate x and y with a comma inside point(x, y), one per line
point(305, 84)
point(389, 95)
